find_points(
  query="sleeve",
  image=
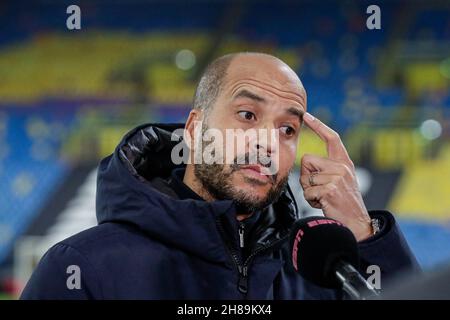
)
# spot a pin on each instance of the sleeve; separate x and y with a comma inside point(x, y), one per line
point(387, 249)
point(63, 273)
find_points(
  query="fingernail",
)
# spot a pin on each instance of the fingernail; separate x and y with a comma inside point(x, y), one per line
point(309, 116)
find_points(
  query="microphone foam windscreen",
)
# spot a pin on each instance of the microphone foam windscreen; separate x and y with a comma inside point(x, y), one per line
point(317, 245)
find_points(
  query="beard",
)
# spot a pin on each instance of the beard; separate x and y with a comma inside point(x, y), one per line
point(216, 179)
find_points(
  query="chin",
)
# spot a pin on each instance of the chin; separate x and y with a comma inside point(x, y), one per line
point(251, 189)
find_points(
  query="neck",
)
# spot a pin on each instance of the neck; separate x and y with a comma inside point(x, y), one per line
point(192, 182)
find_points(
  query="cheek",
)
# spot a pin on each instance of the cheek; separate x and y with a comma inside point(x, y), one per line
point(286, 158)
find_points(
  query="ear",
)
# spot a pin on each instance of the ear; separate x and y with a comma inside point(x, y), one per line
point(189, 128)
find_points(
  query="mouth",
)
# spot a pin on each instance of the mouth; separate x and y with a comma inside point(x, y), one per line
point(257, 172)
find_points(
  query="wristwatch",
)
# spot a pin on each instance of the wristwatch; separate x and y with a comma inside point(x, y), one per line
point(376, 227)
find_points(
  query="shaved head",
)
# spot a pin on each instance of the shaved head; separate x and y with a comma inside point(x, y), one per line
point(210, 82)
point(214, 76)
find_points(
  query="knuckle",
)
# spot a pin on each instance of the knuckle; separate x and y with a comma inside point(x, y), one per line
point(304, 181)
point(331, 191)
point(345, 170)
point(334, 136)
point(316, 205)
point(342, 169)
point(306, 158)
point(306, 193)
point(303, 162)
point(348, 171)
point(310, 194)
point(351, 164)
point(337, 179)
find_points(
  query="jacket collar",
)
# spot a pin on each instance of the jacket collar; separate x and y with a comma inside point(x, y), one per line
point(132, 187)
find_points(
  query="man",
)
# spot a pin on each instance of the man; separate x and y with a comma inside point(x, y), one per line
point(217, 230)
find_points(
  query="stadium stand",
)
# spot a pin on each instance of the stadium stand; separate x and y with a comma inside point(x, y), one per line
point(67, 97)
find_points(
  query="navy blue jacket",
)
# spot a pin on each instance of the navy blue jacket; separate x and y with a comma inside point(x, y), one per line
point(150, 244)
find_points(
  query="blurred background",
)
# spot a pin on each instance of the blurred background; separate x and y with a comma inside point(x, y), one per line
point(68, 96)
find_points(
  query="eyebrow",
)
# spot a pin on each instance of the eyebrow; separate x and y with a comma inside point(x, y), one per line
point(296, 112)
point(250, 95)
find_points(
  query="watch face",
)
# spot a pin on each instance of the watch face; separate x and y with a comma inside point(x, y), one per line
point(375, 225)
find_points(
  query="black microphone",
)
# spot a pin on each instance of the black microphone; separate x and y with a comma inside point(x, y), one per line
point(325, 252)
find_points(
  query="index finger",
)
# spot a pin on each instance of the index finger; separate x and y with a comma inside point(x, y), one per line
point(335, 148)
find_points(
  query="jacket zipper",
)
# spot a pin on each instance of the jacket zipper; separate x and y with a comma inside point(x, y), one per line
point(241, 234)
point(243, 267)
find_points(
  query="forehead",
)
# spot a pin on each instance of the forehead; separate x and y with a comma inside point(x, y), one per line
point(266, 74)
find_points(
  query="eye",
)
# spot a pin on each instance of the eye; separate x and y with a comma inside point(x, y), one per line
point(247, 115)
point(287, 131)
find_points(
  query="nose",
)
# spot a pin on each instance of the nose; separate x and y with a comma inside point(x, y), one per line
point(267, 141)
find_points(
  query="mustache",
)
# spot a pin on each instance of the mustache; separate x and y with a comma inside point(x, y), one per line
point(247, 159)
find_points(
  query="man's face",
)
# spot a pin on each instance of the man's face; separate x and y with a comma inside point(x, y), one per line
point(258, 93)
